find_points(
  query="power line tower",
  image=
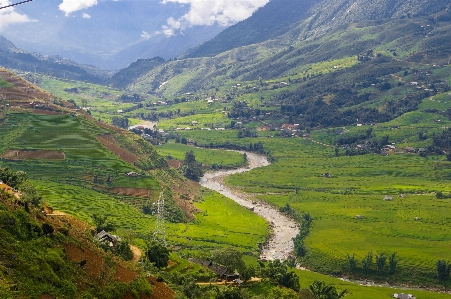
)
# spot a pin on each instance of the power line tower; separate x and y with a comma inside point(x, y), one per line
point(159, 232)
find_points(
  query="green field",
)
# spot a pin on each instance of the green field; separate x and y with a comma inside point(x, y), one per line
point(206, 156)
point(357, 187)
point(67, 185)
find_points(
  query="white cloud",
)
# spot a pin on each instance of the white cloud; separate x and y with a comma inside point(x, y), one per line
point(8, 16)
point(145, 35)
point(85, 16)
point(209, 12)
point(70, 6)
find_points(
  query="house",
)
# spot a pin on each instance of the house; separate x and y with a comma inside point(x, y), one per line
point(403, 296)
point(290, 126)
point(191, 142)
point(107, 238)
point(388, 198)
point(220, 271)
point(132, 174)
point(358, 217)
point(194, 123)
point(409, 149)
point(263, 129)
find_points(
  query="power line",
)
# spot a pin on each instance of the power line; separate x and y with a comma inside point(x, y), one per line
point(18, 3)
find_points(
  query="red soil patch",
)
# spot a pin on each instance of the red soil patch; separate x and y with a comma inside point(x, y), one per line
point(177, 164)
point(124, 275)
point(94, 261)
point(138, 192)
point(22, 89)
point(108, 141)
point(160, 289)
point(46, 112)
point(45, 296)
point(33, 154)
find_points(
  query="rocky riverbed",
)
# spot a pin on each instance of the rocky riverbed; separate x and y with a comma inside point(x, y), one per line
point(284, 229)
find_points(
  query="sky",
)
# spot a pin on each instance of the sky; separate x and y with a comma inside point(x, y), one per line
point(113, 33)
point(200, 12)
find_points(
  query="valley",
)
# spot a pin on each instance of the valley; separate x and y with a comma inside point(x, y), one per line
point(319, 150)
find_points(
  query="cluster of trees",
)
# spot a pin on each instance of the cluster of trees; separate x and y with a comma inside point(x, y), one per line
point(119, 121)
point(443, 270)
point(191, 168)
point(305, 221)
point(367, 267)
point(19, 180)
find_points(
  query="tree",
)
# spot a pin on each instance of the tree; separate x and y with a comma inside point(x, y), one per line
point(277, 272)
point(228, 293)
point(102, 223)
point(158, 254)
point(380, 262)
point(443, 270)
point(191, 168)
point(352, 263)
point(367, 262)
point(320, 290)
point(392, 262)
point(247, 273)
point(230, 258)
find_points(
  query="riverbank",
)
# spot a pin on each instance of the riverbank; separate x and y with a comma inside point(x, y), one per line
point(284, 229)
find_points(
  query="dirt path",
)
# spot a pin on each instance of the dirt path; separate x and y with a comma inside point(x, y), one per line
point(224, 282)
point(136, 254)
point(280, 245)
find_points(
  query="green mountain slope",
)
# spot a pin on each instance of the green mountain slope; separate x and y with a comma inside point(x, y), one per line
point(419, 39)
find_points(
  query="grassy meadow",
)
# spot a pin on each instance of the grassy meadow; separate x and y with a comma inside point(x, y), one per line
point(206, 156)
point(357, 187)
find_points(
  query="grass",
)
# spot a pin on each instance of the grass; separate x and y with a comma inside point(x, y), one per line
point(206, 156)
point(357, 187)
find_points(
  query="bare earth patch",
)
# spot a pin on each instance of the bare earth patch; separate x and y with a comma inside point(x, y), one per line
point(108, 141)
point(94, 262)
point(137, 192)
point(33, 154)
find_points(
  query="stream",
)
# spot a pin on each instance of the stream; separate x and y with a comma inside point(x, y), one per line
point(280, 244)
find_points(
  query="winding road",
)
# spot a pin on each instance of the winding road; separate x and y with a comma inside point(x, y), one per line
point(284, 229)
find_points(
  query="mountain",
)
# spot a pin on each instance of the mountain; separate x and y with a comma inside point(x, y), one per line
point(307, 19)
point(110, 35)
point(266, 23)
point(14, 58)
point(325, 30)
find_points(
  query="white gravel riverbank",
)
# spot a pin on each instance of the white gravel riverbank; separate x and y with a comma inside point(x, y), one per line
point(280, 245)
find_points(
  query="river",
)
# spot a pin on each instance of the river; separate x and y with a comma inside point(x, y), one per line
point(284, 229)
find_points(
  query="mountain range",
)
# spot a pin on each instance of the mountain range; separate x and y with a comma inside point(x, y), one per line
point(263, 47)
point(109, 35)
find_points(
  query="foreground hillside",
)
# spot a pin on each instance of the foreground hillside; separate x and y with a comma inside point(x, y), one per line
point(54, 256)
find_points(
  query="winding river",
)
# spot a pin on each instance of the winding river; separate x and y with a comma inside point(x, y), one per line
point(284, 229)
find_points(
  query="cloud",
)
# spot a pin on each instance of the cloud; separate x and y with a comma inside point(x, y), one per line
point(210, 12)
point(70, 6)
point(8, 16)
point(85, 16)
point(145, 35)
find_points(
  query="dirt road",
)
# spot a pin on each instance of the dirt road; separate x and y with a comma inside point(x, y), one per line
point(280, 245)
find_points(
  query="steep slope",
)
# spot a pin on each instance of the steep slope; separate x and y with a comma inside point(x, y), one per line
point(416, 38)
point(302, 19)
point(266, 23)
point(54, 256)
